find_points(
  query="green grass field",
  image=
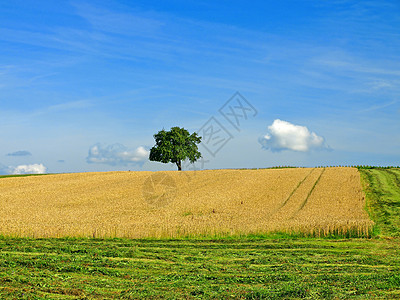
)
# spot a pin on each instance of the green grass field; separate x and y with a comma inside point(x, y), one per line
point(382, 189)
point(272, 267)
point(245, 268)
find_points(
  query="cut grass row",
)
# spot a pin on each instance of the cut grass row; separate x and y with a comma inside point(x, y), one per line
point(237, 268)
point(382, 190)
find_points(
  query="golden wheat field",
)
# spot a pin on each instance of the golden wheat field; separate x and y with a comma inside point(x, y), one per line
point(315, 201)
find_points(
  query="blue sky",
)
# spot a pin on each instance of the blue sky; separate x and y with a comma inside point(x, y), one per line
point(84, 85)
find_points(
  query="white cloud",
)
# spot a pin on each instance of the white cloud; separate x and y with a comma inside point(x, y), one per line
point(116, 154)
point(28, 169)
point(283, 135)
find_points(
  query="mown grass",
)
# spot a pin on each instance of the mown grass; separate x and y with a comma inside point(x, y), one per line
point(382, 189)
point(245, 268)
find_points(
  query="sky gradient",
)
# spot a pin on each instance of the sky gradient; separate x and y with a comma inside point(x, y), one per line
point(84, 85)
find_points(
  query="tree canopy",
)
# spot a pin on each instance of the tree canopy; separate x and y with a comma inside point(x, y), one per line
point(175, 146)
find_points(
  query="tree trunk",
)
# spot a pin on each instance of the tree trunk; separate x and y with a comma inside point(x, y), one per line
point(179, 164)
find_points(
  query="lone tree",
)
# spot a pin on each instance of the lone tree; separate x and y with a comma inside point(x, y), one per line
point(175, 146)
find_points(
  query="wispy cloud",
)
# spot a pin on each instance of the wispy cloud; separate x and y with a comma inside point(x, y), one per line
point(20, 153)
point(118, 22)
point(72, 105)
point(380, 106)
point(359, 66)
point(59, 39)
point(14, 117)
